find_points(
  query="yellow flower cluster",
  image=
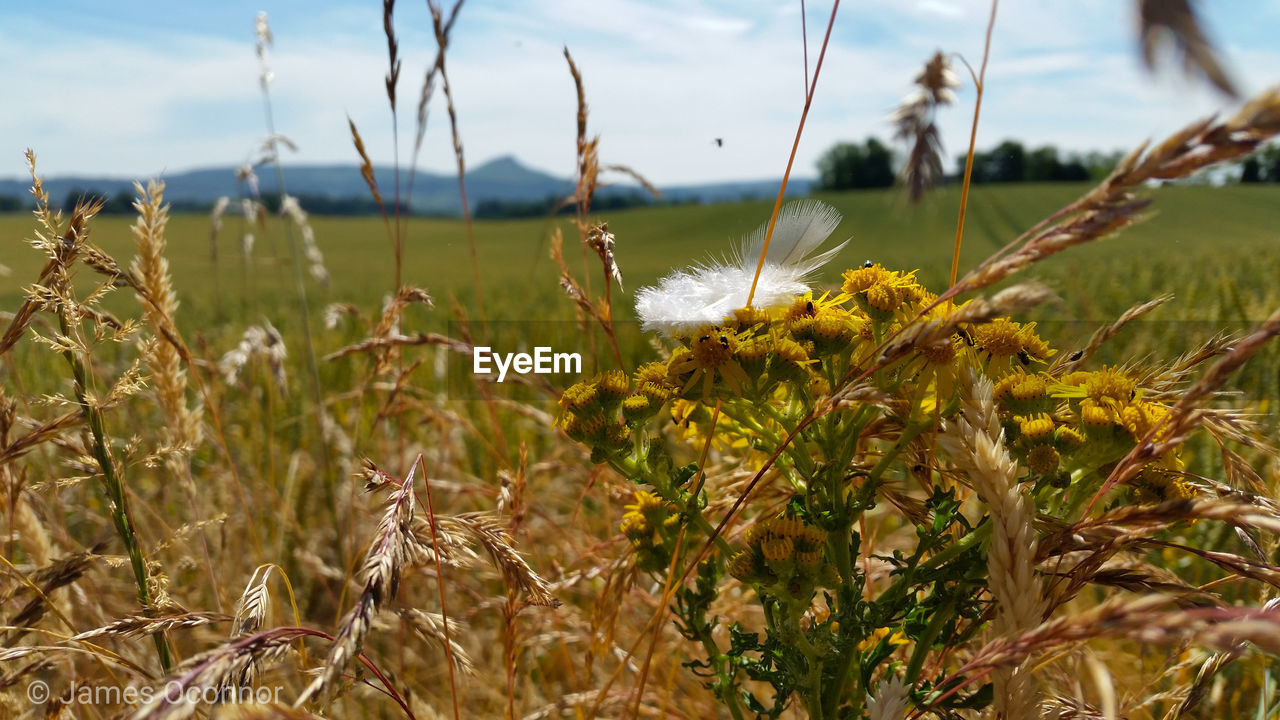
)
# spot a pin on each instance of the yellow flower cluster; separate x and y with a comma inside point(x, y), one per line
point(603, 412)
point(1083, 421)
point(784, 556)
point(881, 293)
point(650, 524)
point(1056, 425)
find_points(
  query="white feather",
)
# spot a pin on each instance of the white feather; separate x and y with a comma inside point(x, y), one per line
point(708, 294)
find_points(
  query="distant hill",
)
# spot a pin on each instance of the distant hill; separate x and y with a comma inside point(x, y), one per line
point(503, 178)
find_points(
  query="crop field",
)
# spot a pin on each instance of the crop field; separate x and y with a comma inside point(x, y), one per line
point(1215, 249)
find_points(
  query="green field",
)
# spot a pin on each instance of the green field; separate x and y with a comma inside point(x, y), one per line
point(1216, 249)
point(1194, 240)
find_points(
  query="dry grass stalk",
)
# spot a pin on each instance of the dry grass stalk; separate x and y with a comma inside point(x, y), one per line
point(442, 41)
point(393, 49)
point(587, 162)
point(264, 711)
point(919, 334)
point(251, 612)
point(1144, 620)
point(258, 340)
point(385, 337)
point(150, 271)
point(619, 579)
point(428, 87)
point(366, 171)
point(62, 248)
point(40, 584)
point(254, 603)
point(915, 122)
point(211, 669)
point(44, 432)
point(1066, 362)
point(380, 581)
point(371, 344)
point(975, 441)
point(1176, 20)
point(138, 625)
point(58, 297)
point(29, 528)
point(431, 626)
point(1153, 518)
point(1169, 382)
point(290, 208)
point(490, 533)
point(602, 241)
point(583, 700)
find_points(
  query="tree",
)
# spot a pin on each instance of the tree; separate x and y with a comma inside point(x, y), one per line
point(1251, 170)
point(1006, 163)
point(851, 165)
point(1043, 164)
point(1263, 166)
point(1011, 162)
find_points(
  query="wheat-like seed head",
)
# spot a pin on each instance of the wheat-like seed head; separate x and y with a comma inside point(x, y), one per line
point(975, 441)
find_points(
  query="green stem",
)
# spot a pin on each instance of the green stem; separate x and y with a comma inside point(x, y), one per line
point(964, 544)
point(304, 310)
point(114, 487)
point(940, 618)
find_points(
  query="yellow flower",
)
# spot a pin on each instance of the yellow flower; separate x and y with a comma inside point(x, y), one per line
point(637, 408)
point(1043, 459)
point(1036, 426)
point(807, 306)
point(646, 503)
point(1107, 386)
point(896, 639)
point(747, 319)
point(653, 372)
point(1140, 417)
point(710, 353)
point(1160, 481)
point(580, 396)
point(1004, 339)
point(743, 566)
point(880, 292)
point(830, 330)
point(1095, 415)
point(790, 360)
point(1068, 438)
point(612, 386)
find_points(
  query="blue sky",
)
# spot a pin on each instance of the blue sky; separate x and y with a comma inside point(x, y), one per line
point(138, 88)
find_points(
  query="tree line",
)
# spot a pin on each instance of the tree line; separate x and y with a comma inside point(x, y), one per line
point(871, 164)
point(1262, 166)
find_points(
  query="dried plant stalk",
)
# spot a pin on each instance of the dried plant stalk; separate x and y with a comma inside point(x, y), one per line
point(380, 580)
point(975, 440)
